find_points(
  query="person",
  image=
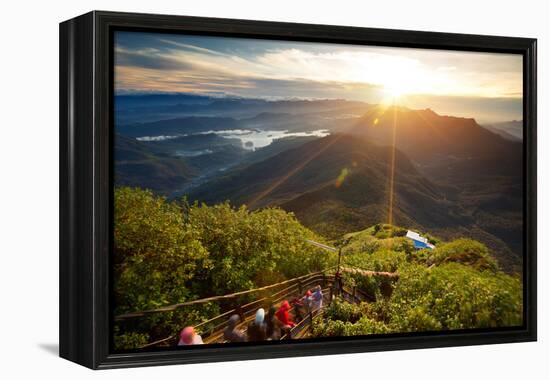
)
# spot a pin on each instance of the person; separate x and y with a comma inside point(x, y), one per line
point(273, 325)
point(231, 333)
point(317, 299)
point(257, 329)
point(298, 306)
point(283, 315)
point(306, 301)
point(189, 337)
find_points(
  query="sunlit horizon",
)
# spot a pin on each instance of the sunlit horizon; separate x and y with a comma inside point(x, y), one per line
point(448, 81)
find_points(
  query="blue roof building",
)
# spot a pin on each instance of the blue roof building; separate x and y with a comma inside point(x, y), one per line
point(419, 241)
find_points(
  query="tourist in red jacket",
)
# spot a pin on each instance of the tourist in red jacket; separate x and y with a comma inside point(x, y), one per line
point(283, 315)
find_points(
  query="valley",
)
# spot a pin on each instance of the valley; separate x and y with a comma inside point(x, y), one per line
point(330, 162)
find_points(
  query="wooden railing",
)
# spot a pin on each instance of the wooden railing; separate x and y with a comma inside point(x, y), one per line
point(212, 329)
point(247, 312)
point(353, 295)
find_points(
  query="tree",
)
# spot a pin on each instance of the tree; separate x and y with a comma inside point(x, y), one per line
point(168, 252)
point(251, 249)
point(156, 255)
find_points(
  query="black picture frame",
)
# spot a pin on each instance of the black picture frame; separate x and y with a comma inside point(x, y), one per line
point(86, 134)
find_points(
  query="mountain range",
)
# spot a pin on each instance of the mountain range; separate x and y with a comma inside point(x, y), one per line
point(510, 130)
point(447, 175)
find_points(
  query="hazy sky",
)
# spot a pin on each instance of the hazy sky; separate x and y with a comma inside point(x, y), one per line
point(482, 85)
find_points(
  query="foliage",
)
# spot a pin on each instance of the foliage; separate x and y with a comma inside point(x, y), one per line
point(335, 328)
point(253, 249)
point(454, 296)
point(432, 239)
point(169, 252)
point(340, 310)
point(129, 340)
point(456, 286)
point(345, 319)
point(156, 254)
point(383, 260)
point(384, 231)
point(380, 236)
point(465, 251)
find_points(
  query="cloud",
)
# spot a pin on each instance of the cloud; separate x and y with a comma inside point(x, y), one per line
point(274, 69)
point(149, 59)
point(306, 88)
point(193, 47)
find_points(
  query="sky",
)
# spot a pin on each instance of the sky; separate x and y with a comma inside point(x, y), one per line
point(487, 86)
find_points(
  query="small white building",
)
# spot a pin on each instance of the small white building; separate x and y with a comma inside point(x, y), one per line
point(419, 241)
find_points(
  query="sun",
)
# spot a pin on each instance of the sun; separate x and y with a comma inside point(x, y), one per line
point(395, 90)
point(393, 93)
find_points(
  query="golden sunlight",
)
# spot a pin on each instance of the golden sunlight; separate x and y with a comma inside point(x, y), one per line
point(395, 90)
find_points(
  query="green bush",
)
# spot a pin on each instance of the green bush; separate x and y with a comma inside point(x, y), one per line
point(168, 252)
point(130, 340)
point(384, 231)
point(380, 261)
point(465, 251)
point(156, 255)
point(367, 326)
point(253, 249)
point(383, 260)
point(335, 328)
point(381, 236)
point(340, 310)
point(454, 296)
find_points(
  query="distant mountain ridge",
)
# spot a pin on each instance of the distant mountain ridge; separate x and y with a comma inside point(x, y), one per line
point(452, 176)
point(462, 180)
point(178, 126)
point(131, 109)
point(341, 172)
point(510, 130)
point(425, 135)
point(137, 166)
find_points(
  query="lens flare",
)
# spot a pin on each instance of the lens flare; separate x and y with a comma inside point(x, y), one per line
point(341, 178)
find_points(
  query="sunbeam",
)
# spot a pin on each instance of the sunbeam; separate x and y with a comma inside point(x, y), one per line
point(282, 180)
point(392, 168)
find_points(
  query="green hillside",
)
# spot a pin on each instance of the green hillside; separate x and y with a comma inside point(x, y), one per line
point(168, 252)
point(458, 285)
point(137, 165)
point(340, 183)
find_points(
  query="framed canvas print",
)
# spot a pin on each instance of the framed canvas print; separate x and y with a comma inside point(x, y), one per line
point(236, 189)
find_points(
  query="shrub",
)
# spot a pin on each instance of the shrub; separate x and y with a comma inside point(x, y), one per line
point(340, 310)
point(464, 251)
point(253, 249)
point(384, 231)
point(155, 254)
point(335, 328)
point(454, 296)
point(130, 340)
